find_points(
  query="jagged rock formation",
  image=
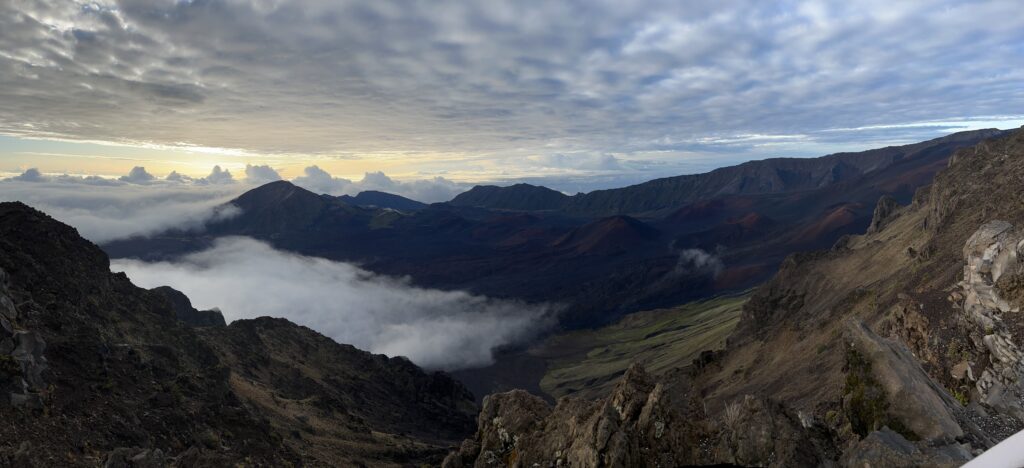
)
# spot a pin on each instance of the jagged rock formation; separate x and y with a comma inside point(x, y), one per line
point(639, 424)
point(992, 253)
point(183, 310)
point(885, 209)
point(331, 397)
point(98, 372)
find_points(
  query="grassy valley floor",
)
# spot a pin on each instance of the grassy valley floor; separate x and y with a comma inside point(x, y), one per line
point(587, 363)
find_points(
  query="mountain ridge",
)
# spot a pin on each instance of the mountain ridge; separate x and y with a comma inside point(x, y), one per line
point(773, 175)
point(95, 371)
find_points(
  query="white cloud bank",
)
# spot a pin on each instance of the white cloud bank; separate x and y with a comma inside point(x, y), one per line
point(107, 209)
point(437, 189)
point(246, 278)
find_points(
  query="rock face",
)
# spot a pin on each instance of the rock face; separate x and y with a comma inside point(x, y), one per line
point(638, 425)
point(334, 396)
point(98, 372)
point(884, 212)
point(184, 311)
point(992, 253)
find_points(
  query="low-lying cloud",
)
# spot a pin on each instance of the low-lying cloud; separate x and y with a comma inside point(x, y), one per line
point(141, 204)
point(437, 189)
point(246, 278)
point(137, 204)
point(699, 261)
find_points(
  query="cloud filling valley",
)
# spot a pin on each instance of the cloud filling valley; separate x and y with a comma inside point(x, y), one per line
point(436, 329)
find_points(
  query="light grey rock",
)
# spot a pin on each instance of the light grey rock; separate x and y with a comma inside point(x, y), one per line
point(28, 352)
point(123, 457)
point(921, 404)
point(27, 400)
point(992, 251)
point(7, 308)
point(885, 448)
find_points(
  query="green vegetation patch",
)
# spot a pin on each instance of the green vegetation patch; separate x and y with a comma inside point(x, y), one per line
point(864, 400)
point(589, 362)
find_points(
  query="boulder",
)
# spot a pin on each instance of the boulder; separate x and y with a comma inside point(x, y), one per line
point(183, 310)
point(28, 352)
point(123, 457)
point(886, 448)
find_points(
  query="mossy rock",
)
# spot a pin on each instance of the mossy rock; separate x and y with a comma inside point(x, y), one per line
point(865, 404)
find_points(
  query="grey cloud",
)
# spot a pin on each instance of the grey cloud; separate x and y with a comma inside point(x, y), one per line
point(260, 174)
point(217, 176)
point(435, 329)
point(431, 190)
point(495, 77)
point(138, 175)
point(175, 176)
point(30, 175)
point(699, 261)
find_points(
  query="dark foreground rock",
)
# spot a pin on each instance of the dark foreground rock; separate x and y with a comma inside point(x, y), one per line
point(95, 371)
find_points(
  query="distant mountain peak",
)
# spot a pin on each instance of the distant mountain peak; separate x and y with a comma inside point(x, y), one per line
point(378, 199)
point(521, 197)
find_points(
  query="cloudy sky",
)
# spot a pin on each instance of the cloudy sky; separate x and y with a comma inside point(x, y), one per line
point(583, 94)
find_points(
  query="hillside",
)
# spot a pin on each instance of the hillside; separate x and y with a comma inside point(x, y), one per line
point(96, 370)
point(897, 347)
point(377, 199)
point(521, 197)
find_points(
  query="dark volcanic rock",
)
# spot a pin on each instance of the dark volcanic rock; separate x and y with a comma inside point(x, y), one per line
point(522, 197)
point(184, 311)
point(96, 371)
point(375, 199)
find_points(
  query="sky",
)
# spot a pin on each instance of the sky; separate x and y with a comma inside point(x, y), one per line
point(576, 95)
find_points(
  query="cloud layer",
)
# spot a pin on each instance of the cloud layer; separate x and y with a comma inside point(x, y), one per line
point(140, 204)
point(435, 329)
point(436, 189)
point(485, 86)
point(107, 209)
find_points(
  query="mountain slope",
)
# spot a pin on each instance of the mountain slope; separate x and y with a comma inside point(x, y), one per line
point(779, 175)
point(375, 199)
point(95, 370)
point(521, 197)
point(898, 347)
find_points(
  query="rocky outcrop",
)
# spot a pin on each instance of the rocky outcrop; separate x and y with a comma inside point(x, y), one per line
point(991, 253)
point(22, 362)
point(638, 425)
point(885, 448)
point(923, 408)
point(885, 211)
point(183, 310)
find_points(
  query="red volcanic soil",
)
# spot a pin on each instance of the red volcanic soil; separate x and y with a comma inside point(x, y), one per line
point(740, 276)
point(606, 235)
point(709, 210)
point(751, 221)
point(833, 220)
